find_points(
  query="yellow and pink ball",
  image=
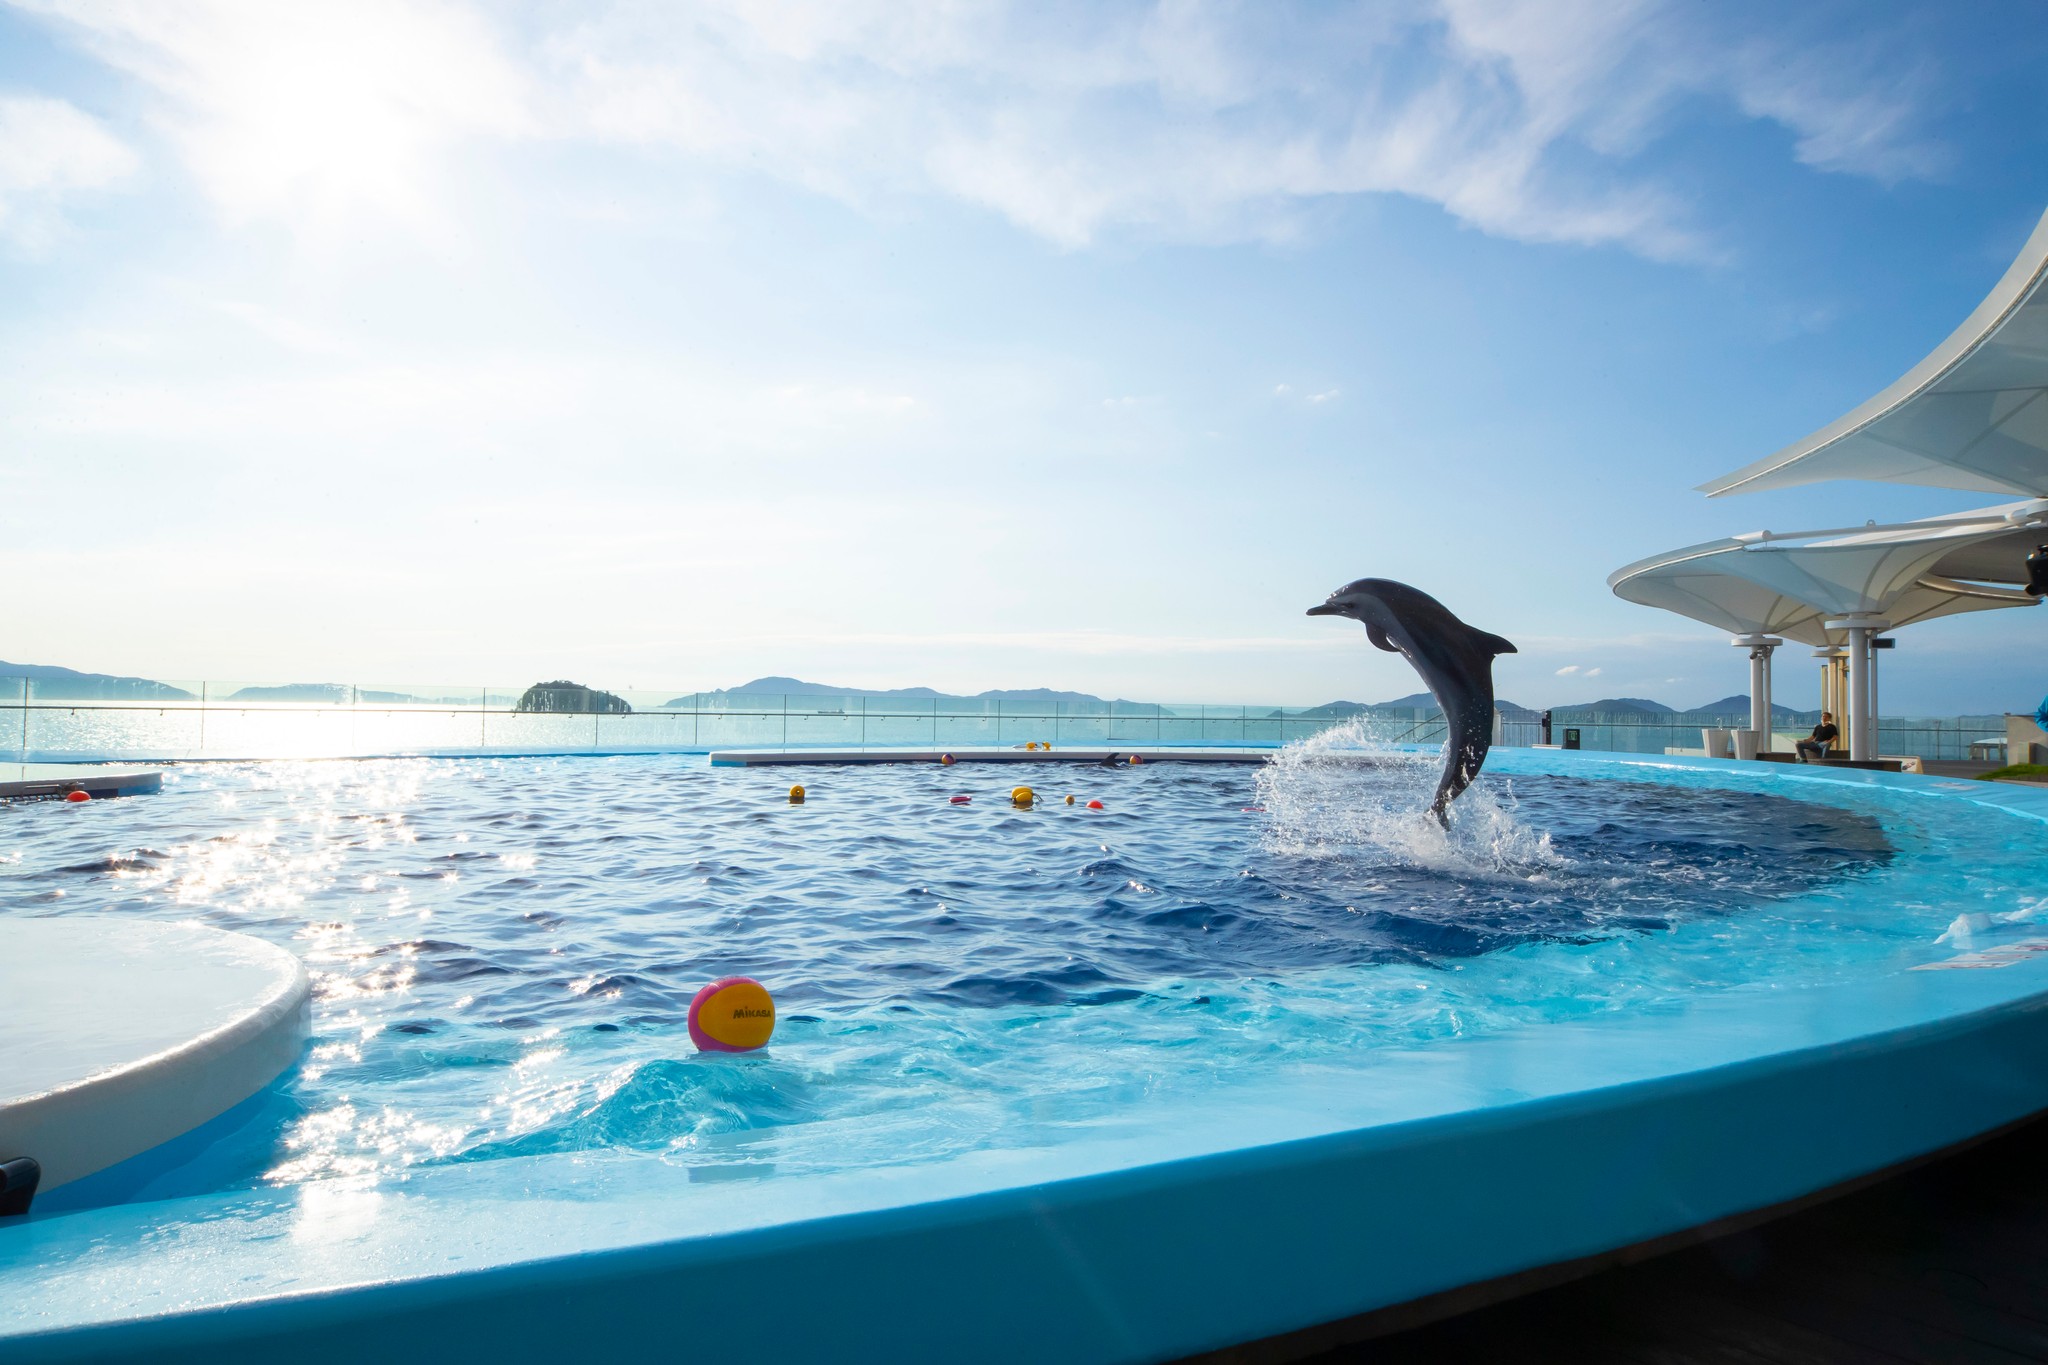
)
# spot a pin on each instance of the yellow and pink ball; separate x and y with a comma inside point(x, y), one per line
point(732, 1014)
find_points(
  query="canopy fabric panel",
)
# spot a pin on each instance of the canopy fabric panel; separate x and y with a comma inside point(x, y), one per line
point(1792, 584)
point(1972, 415)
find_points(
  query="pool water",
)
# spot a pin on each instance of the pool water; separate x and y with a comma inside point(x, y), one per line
point(504, 950)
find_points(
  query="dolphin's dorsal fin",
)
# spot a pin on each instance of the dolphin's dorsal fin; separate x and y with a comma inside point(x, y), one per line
point(1380, 641)
point(1494, 644)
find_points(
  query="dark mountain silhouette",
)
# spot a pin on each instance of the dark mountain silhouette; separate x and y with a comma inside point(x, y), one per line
point(1618, 706)
point(1738, 706)
point(797, 687)
point(1424, 702)
point(50, 683)
point(333, 694)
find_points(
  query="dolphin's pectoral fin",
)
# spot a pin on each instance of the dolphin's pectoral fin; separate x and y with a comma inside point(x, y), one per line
point(1380, 641)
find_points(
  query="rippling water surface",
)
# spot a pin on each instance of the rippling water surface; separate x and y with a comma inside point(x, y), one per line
point(504, 950)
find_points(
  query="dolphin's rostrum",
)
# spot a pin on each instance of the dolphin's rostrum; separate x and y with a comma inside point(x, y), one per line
point(1455, 661)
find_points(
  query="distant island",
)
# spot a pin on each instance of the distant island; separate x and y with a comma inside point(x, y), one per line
point(562, 695)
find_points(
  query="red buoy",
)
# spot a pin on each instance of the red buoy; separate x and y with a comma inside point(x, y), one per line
point(1094, 805)
point(962, 800)
point(77, 796)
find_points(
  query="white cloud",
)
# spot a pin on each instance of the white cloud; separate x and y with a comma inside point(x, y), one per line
point(1849, 111)
point(1567, 670)
point(50, 152)
point(1518, 117)
point(1592, 672)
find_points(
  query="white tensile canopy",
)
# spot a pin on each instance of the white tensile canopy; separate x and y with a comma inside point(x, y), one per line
point(1972, 415)
point(1838, 587)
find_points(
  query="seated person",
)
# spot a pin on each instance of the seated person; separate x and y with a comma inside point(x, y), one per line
point(1823, 738)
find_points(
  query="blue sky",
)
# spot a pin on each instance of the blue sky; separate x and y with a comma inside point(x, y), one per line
point(970, 347)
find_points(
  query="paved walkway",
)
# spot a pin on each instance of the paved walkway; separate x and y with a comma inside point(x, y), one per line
point(1947, 1264)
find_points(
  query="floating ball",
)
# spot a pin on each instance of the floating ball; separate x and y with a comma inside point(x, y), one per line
point(78, 796)
point(1070, 800)
point(1032, 745)
point(960, 800)
point(1136, 759)
point(732, 1014)
point(796, 795)
point(1021, 796)
point(1095, 805)
point(945, 758)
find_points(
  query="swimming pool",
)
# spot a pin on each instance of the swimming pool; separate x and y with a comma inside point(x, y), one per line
point(978, 1000)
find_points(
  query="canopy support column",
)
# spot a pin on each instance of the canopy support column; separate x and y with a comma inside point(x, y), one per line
point(1833, 662)
point(1862, 693)
point(1760, 648)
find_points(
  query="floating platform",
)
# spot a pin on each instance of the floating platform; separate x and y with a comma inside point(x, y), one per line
point(117, 1036)
point(767, 758)
point(55, 779)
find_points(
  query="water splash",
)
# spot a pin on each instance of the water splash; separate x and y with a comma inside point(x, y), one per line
point(1349, 791)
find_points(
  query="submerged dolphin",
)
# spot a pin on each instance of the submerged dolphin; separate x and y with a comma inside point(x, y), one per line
point(1455, 661)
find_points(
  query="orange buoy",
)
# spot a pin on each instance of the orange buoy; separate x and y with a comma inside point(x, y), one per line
point(1095, 805)
point(1070, 800)
point(796, 795)
point(77, 796)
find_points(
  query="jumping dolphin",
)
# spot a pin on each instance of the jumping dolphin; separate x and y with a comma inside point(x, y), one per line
point(1455, 661)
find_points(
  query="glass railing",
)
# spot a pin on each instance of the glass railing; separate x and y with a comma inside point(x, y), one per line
point(72, 720)
point(1929, 737)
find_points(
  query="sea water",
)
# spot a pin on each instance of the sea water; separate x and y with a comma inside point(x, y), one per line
point(503, 950)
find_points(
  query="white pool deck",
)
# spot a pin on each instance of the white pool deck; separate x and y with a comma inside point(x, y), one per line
point(119, 1035)
point(96, 780)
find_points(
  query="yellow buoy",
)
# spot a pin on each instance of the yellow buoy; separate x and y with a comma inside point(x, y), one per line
point(1070, 800)
point(1033, 745)
point(1021, 796)
point(796, 795)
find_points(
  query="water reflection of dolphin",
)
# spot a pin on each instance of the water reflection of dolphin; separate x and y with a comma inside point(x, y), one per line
point(1455, 661)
